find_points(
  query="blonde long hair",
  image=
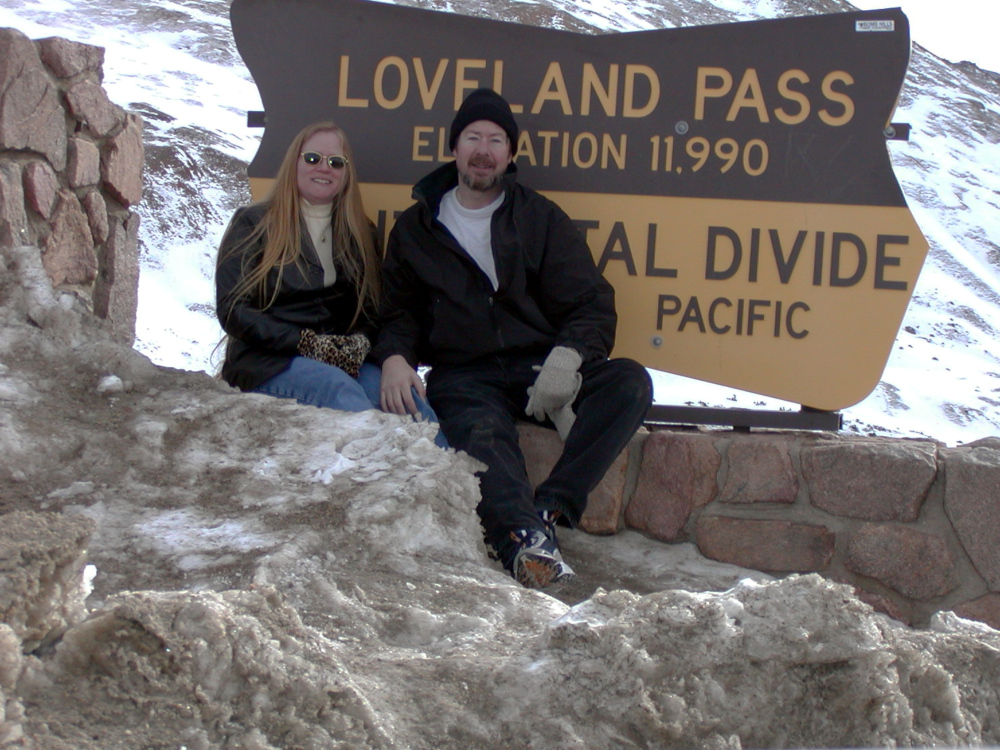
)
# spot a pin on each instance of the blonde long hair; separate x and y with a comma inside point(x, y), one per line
point(281, 230)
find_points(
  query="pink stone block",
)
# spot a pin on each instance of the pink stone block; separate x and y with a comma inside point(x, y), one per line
point(121, 163)
point(885, 480)
point(972, 503)
point(84, 168)
point(40, 187)
point(759, 471)
point(68, 255)
point(915, 564)
point(773, 546)
point(66, 58)
point(677, 475)
point(116, 293)
point(97, 214)
point(89, 104)
point(14, 228)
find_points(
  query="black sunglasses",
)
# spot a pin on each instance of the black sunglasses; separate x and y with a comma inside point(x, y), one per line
point(312, 159)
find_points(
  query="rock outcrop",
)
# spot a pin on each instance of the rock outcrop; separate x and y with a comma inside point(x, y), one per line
point(71, 173)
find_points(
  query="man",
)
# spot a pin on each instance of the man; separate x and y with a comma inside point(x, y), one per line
point(493, 285)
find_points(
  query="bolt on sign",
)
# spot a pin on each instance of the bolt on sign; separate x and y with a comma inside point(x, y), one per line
point(732, 181)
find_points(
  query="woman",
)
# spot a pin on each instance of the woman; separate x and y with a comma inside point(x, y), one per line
point(298, 282)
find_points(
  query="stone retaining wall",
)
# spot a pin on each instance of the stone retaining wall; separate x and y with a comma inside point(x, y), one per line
point(70, 171)
point(912, 524)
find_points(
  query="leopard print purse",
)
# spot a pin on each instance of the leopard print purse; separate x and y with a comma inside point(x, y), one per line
point(345, 352)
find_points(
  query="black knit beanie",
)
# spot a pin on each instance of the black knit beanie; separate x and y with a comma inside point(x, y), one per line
point(484, 104)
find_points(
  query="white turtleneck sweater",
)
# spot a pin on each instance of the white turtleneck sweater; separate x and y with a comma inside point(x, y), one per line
point(321, 232)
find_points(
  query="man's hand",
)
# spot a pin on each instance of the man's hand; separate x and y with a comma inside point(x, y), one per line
point(555, 389)
point(398, 377)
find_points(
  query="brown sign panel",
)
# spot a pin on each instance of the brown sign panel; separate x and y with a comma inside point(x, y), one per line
point(733, 180)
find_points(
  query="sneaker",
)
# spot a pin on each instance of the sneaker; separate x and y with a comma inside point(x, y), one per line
point(536, 561)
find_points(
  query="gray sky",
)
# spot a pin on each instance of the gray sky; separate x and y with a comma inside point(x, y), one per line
point(953, 29)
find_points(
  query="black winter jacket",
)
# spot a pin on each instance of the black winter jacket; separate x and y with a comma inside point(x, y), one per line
point(439, 307)
point(262, 342)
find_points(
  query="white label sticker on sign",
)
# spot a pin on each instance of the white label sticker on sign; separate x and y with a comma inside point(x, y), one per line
point(874, 25)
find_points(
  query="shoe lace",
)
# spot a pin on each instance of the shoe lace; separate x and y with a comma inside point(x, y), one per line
point(549, 519)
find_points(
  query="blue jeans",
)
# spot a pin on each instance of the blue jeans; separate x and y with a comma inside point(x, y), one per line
point(318, 384)
point(480, 405)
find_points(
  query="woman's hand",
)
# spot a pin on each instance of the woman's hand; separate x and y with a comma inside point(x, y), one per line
point(398, 378)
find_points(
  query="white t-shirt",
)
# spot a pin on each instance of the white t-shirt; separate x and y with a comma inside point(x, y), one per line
point(321, 232)
point(471, 227)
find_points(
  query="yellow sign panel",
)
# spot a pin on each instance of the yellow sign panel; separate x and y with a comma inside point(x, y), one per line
point(797, 301)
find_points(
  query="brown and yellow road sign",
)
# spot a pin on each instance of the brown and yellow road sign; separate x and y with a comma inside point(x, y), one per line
point(732, 180)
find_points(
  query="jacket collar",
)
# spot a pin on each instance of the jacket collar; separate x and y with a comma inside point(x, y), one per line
point(431, 189)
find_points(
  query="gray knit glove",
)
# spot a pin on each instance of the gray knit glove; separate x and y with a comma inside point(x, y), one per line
point(555, 389)
point(345, 352)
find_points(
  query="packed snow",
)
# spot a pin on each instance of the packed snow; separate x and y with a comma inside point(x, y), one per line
point(265, 575)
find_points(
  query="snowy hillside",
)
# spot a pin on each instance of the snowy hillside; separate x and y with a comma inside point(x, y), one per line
point(175, 63)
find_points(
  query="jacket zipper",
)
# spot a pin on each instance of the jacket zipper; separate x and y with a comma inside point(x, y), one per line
point(446, 238)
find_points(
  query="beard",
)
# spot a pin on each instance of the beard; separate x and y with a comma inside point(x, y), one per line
point(481, 184)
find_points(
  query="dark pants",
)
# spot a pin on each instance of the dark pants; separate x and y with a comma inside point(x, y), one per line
point(479, 405)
